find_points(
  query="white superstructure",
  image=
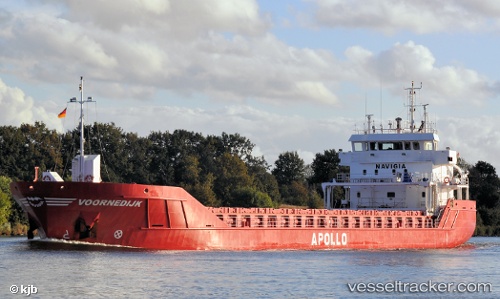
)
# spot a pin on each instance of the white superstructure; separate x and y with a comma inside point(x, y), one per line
point(399, 168)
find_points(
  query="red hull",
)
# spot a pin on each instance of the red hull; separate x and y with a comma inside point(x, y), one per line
point(159, 217)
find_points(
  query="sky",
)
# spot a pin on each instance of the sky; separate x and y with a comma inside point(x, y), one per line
point(288, 75)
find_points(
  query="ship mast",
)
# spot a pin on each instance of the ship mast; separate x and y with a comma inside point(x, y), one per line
point(412, 104)
point(82, 138)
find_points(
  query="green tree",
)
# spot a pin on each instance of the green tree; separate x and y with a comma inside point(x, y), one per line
point(325, 167)
point(289, 172)
point(5, 200)
point(136, 149)
point(42, 146)
point(236, 144)
point(204, 191)
point(181, 144)
point(315, 201)
point(110, 142)
point(266, 183)
point(484, 185)
point(250, 197)
point(21, 149)
point(11, 152)
point(296, 193)
point(161, 167)
point(289, 168)
point(232, 175)
point(199, 185)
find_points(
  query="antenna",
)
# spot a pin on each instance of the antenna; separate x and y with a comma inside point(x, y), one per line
point(425, 117)
point(366, 105)
point(369, 117)
point(411, 99)
point(381, 110)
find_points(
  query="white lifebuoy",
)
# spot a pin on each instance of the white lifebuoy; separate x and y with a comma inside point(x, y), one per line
point(446, 180)
point(89, 178)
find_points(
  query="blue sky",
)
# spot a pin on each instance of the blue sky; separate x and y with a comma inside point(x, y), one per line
point(288, 75)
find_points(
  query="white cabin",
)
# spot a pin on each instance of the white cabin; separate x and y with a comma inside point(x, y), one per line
point(399, 168)
point(91, 171)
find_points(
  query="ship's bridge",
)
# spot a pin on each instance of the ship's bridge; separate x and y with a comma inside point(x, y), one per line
point(383, 142)
point(416, 149)
point(399, 167)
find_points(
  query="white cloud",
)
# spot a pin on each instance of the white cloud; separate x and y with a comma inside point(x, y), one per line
point(403, 62)
point(477, 140)
point(171, 19)
point(18, 108)
point(224, 52)
point(226, 59)
point(420, 17)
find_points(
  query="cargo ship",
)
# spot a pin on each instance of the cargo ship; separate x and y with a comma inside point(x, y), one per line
point(401, 192)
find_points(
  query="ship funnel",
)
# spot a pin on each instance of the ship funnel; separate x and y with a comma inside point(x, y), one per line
point(398, 124)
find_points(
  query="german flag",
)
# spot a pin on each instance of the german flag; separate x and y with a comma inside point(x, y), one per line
point(62, 114)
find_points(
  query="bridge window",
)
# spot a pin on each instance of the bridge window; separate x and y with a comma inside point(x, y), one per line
point(416, 145)
point(358, 146)
point(390, 146)
point(428, 145)
point(407, 145)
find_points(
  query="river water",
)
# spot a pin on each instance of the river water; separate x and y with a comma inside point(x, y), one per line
point(46, 269)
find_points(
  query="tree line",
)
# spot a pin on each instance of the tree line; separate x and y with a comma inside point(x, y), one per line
point(217, 170)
